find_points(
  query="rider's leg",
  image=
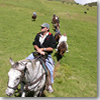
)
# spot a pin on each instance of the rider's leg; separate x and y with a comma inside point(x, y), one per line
point(49, 64)
point(30, 57)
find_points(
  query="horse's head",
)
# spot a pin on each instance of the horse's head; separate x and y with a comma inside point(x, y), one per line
point(62, 48)
point(15, 75)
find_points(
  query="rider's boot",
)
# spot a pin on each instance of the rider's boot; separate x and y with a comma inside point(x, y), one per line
point(50, 89)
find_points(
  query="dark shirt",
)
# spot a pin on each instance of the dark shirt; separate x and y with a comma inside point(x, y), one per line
point(48, 42)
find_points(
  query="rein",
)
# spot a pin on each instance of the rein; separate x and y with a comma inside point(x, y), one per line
point(33, 82)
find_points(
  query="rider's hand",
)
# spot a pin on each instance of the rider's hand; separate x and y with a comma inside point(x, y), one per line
point(40, 50)
point(43, 53)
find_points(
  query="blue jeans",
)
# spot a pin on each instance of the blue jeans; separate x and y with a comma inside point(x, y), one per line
point(49, 64)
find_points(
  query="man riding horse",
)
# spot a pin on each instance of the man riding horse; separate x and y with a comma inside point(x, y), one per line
point(61, 39)
point(34, 16)
point(45, 43)
point(55, 19)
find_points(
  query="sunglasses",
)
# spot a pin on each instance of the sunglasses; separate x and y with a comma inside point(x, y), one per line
point(42, 27)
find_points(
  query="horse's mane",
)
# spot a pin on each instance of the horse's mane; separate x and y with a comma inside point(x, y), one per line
point(31, 61)
point(16, 64)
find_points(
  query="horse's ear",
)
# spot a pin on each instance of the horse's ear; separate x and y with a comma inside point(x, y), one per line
point(11, 61)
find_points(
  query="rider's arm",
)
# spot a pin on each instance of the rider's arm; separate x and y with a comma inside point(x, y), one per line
point(48, 49)
point(39, 50)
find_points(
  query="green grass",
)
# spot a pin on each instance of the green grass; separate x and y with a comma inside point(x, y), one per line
point(77, 73)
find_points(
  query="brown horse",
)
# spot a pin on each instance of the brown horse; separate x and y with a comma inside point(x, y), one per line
point(62, 48)
point(55, 19)
point(34, 17)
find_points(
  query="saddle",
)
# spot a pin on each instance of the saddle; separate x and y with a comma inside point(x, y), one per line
point(38, 55)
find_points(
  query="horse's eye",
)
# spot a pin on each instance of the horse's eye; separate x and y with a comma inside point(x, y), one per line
point(17, 79)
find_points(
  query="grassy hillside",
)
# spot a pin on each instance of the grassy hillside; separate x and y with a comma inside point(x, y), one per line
point(92, 4)
point(77, 74)
point(67, 1)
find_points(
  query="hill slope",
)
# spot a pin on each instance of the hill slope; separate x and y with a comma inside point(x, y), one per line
point(67, 1)
point(77, 73)
point(92, 4)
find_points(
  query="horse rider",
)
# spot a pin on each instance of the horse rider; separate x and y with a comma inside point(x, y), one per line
point(34, 13)
point(45, 43)
point(57, 19)
point(63, 38)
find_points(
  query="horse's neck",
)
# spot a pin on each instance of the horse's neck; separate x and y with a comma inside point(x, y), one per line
point(33, 71)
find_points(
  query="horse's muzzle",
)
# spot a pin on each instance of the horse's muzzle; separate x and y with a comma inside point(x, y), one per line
point(9, 92)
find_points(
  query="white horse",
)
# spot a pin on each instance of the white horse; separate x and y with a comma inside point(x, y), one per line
point(30, 74)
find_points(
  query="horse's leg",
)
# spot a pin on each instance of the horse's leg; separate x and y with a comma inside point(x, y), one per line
point(22, 89)
point(23, 94)
point(41, 91)
point(36, 93)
